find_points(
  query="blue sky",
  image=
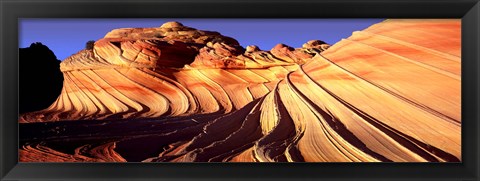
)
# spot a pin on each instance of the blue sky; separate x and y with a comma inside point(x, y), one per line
point(67, 36)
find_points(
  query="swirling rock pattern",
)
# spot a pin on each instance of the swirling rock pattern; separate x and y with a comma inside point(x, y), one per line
point(176, 94)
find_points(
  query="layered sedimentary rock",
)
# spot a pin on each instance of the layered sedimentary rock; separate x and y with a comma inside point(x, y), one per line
point(172, 70)
point(386, 93)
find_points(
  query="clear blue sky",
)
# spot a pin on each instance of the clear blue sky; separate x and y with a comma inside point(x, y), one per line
point(67, 36)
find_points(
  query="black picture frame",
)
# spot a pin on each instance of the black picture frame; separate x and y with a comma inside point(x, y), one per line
point(467, 10)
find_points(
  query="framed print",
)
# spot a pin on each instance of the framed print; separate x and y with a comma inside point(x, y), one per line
point(112, 90)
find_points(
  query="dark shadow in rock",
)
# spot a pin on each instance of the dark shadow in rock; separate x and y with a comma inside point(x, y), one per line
point(40, 78)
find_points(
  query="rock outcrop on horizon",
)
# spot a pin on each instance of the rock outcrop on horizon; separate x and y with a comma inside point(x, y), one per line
point(177, 94)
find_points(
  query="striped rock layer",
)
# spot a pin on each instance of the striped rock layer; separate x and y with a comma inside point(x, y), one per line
point(390, 92)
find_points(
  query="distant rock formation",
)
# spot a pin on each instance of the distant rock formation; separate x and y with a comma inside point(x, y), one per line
point(40, 79)
point(177, 94)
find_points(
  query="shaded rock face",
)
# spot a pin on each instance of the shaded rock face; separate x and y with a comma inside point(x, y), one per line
point(317, 45)
point(40, 80)
point(219, 55)
point(386, 93)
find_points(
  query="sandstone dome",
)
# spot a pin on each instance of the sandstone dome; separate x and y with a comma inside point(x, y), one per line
point(171, 24)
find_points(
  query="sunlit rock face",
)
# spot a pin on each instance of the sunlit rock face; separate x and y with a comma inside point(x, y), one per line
point(390, 92)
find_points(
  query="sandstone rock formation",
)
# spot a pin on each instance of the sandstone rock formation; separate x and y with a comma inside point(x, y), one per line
point(173, 93)
point(172, 70)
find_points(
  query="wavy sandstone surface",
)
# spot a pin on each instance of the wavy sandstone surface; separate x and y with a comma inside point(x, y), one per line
point(390, 92)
